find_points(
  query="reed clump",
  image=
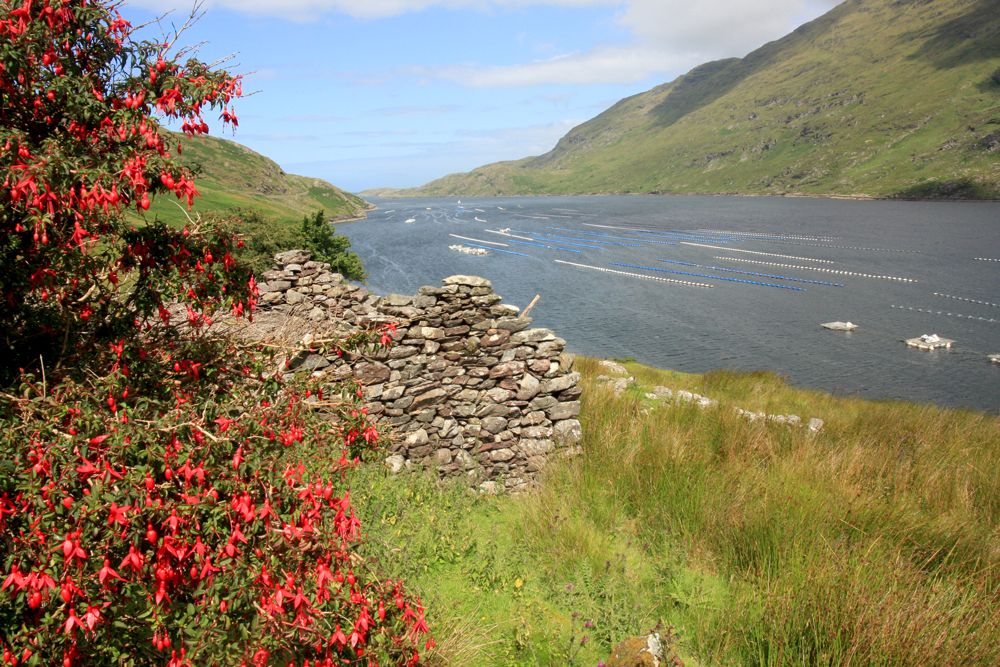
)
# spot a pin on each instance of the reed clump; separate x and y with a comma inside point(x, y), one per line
point(875, 541)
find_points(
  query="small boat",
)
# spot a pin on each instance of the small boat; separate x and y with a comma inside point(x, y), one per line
point(839, 326)
point(929, 342)
point(995, 358)
point(410, 220)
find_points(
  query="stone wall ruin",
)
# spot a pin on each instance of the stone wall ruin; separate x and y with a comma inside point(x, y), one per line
point(469, 389)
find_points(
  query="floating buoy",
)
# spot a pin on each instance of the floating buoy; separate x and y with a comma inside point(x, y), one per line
point(750, 273)
point(757, 252)
point(967, 300)
point(629, 274)
point(816, 268)
point(929, 311)
point(705, 275)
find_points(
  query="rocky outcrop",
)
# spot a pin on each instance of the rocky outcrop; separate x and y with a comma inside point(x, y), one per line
point(468, 387)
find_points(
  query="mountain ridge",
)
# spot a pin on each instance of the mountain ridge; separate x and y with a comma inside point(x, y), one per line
point(230, 175)
point(876, 98)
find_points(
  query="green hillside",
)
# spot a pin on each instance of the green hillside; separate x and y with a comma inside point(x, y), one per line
point(876, 98)
point(229, 175)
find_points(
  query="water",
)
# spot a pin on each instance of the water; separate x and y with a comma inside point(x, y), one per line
point(733, 325)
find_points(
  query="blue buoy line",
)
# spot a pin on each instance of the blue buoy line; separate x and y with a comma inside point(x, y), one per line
point(758, 252)
point(559, 239)
point(596, 240)
point(749, 273)
point(705, 275)
point(543, 245)
point(669, 233)
point(605, 235)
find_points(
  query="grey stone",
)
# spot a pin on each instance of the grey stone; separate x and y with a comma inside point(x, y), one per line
point(395, 464)
point(567, 432)
point(470, 281)
point(274, 286)
point(563, 410)
point(560, 383)
point(504, 454)
point(612, 367)
point(494, 424)
point(293, 297)
point(815, 424)
point(371, 372)
point(536, 446)
point(533, 418)
point(513, 324)
point(292, 257)
point(416, 439)
point(432, 397)
point(397, 300)
point(508, 369)
point(532, 336)
point(542, 403)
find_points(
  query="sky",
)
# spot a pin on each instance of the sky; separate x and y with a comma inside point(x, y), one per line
point(396, 93)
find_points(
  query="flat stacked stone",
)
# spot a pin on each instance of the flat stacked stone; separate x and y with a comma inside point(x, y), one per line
point(469, 388)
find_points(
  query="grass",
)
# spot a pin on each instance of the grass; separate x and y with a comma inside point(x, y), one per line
point(231, 176)
point(874, 542)
point(880, 98)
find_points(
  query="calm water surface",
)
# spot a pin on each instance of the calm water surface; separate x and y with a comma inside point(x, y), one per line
point(734, 325)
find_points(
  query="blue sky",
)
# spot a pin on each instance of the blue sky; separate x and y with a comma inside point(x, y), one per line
point(399, 92)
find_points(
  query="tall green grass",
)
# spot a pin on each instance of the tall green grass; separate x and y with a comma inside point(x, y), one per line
point(873, 542)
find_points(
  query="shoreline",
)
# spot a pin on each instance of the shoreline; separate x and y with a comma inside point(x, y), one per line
point(789, 195)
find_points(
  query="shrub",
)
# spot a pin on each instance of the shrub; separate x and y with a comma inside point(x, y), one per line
point(189, 508)
point(165, 497)
point(327, 246)
point(78, 146)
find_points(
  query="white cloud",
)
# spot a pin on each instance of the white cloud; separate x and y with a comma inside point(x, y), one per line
point(604, 64)
point(362, 9)
point(668, 36)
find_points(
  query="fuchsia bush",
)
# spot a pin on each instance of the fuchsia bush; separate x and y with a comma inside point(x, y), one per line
point(165, 496)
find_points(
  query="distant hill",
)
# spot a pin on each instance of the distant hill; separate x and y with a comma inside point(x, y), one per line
point(875, 98)
point(229, 175)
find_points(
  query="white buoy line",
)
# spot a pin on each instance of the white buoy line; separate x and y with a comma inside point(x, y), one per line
point(756, 252)
point(508, 234)
point(987, 259)
point(967, 300)
point(765, 235)
point(849, 247)
point(469, 238)
point(815, 268)
point(929, 311)
point(629, 274)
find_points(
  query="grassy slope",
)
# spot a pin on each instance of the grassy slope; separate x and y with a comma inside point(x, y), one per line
point(874, 542)
point(229, 175)
point(877, 97)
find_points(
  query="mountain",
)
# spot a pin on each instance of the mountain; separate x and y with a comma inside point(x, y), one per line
point(875, 98)
point(229, 175)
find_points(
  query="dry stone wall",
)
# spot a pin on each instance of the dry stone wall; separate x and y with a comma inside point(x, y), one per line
point(469, 388)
